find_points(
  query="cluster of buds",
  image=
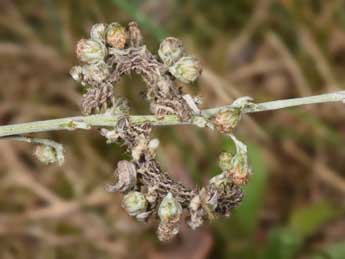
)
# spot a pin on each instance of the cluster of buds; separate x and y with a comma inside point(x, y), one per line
point(148, 192)
point(183, 67)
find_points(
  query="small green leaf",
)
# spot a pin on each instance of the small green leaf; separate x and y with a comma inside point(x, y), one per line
point(283, 243)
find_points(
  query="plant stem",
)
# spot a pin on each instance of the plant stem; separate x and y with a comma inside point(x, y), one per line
point(108, 120)
point(56, 146)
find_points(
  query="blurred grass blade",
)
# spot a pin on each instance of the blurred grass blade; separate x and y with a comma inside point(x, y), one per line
point(283, 243)
point(306, 221)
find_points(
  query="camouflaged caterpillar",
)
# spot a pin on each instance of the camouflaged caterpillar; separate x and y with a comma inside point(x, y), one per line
point(113, 51)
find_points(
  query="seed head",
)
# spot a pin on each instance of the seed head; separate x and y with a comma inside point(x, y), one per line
point(116, 35)
point(187, 69)
point(134, 203)
point(90, 51)
point(171, 50)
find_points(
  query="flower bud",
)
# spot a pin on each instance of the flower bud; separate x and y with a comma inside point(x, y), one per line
point(171, 50)
point(196, 212)
point(116, 35)
point(97, 32)
point(224, 161)
point(134, 203)
point(225, 121)
point(187, 69)
point(76, 73)
point(96, 72)
point(169, 209)
point(48, 154)
point(90, 51)
point(240, 170)
point(153, 144)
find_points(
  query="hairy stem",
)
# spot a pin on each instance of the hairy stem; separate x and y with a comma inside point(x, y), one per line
point(108, 120)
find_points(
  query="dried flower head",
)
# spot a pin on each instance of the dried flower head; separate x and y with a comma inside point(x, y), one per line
point(171, 50)
point(239, 171)
point(225, 121)
point(126, 177)
point(97, 32)
point(90, 51)
point(186, 69)
point(169, 212)
point(116, 35)
point(170, 209)
point(48, 154)
point(134, 203)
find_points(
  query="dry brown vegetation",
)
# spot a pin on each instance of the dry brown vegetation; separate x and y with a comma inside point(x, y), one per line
point(294, 206)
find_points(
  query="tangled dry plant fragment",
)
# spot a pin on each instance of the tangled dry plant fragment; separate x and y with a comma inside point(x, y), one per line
point(149, 192)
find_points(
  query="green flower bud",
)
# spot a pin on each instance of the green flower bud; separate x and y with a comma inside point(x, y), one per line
point(48, 155)
point(116, 35)
point(90, 51)
point(97, 32)
point(171, 50)
point(170, 209)
point(240, 170)
point(187, 69)
point(225, 121)
point(225, 161)
point(134, 203)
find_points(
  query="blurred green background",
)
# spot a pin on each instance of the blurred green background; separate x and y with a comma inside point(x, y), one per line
point(295, 202)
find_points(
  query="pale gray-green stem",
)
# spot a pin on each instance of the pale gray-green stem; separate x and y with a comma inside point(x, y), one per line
point(108, 120)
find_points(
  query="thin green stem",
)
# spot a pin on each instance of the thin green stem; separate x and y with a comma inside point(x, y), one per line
point(107, 120)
